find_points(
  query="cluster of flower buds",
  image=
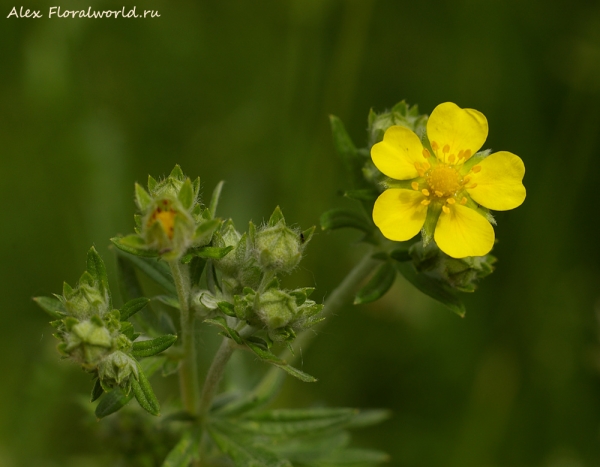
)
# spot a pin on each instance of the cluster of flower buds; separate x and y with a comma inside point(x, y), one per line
point(251, 291)
point(171, 221)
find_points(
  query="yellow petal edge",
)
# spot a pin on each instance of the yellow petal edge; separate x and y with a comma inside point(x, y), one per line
point(396, 155)
point(399, 214)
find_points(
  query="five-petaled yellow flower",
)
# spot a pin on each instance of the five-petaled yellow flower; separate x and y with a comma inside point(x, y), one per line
point(447, 181)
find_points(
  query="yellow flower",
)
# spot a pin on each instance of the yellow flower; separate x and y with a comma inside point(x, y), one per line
point(450, 184)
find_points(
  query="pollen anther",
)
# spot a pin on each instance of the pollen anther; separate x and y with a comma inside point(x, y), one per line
point(472, 186)
point(426, 154)
point(451, 158)
point(476, 169)
point(415, 186)
point(463, 201)
point(425, 191)
point(446, 149)
point(450, 201)
point(425, 202)
point(439, 193)
point(446, 209)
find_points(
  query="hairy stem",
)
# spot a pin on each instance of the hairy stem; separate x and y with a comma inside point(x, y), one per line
point(214, 375)
point(188, 373)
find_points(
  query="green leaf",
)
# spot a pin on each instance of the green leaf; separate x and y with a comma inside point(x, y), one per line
point(242, 449)
point(142, 198)
point(97, 390)
point(227, 308)
point(432, 288)
point(155, 269)
point(127, 329)
point(95, 266)
point(112, 402)
point(185, 451)
point(369, 417)
point(152, 347)
point(222, 323)
point(186, 194)
point(276, 217)
point(307, 449)
point(52, 306)
point(344, 146)
point(196, 269)
point(214, 200)
point(144, 394)
point(269, 357)
point(378, 285)
point(352, 458)
point(207, 252)
point(340, 218)
point(134, 245)
point(169, 300)
point(401, 254)
point(129, 285)
point(132, 307)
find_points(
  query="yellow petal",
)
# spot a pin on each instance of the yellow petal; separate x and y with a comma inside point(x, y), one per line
point(399, 213)
point(452, 130)
point(499, 183)
point(463, 232)
point(396, 155)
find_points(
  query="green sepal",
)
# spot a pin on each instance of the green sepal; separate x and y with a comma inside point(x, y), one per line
point(132, 307)
point(97, 390)
point(307, 235)
point(365, 194)
point(205, 231)
point(152, 347)
point(186, 194)
point(433, 213)
point(474, 160)
point(196, 187)
point(142, 198)
point(112, 402)
point(95, 266)
point(276, 217)
point(151, 183)
point(177, 173)
point(214, 200)
point(340, 218)
point(433, 288)
point(134, 245)
point(52, 306)
point(378, 285)
point(242, 449)
point(268, 357)
point(228, 332)
point(401, 254)
point(67, 290)
point(185, 451)
point(144, 394)
point(227, 308)
point(155, 269)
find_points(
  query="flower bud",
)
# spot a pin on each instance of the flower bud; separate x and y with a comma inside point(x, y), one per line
point(279, 248)
point(87, 342)
point(116, 369)
point(276, 308)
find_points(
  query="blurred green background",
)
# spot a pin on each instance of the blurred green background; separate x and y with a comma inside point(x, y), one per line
point(241, 91)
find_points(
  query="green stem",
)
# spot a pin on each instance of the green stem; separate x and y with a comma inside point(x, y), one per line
point(213, 377)
point(188, 373)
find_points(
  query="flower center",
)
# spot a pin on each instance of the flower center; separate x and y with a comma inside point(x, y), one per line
point(443, 180)
point(166, 216)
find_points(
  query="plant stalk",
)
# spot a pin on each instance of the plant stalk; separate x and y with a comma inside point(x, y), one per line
point(188, 372)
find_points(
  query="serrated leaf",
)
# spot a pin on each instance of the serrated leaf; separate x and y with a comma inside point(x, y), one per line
point(276, 217)
point(214, 200)
point(52, 306)
point(142, 198)
point(378, 285)
point(132, 307)
point(152, 347)
point(97, 390)
point(340, 218)
point(432, 288)
point(185, 451)
point(186, 194)
point(243, 450)
point(112, 402)
point(144, 394)
point(134, 245)
point(155, 269)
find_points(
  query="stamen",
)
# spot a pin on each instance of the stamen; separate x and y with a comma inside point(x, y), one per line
point(467, 154)
point(415, 186)
point(466, 180)
point(426, 165)
point(476, 169)
point(472, 186)
point(446, 209)
point(434, 146)
point(426, 154)
point(463, 201)
point(439, 193)
point(425, 202)
point(451, 158)
point(425, 191)
point(461, 154)
point(450, 201)
point(446, 149)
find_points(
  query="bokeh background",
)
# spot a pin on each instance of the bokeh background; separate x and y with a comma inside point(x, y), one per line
point(241, 91)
